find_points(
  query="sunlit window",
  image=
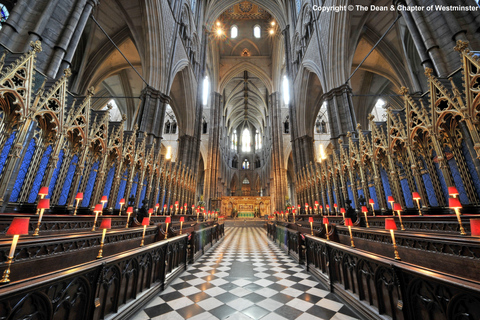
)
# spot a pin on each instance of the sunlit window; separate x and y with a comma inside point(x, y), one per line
point(206, 89)
point(246, 166)
point(246, 141)
point(234, 140)
point(258, 141)
point(379, 112)
point(286, 90)
point(234, 32)
point(257, 32)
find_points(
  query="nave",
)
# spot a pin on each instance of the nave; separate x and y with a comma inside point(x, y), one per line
point(246, 276)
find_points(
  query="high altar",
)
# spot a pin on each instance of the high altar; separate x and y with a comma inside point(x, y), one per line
point(246, 206)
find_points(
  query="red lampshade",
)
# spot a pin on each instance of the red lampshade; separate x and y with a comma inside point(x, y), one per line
point(306, 205)
point(316, 203)
point(193, 206)
point(182, 219)
point(130, 210)
point(325, 220)
point(475, 227)
point(310, 219)
point(390, 224)
point(397, 207)
point(43, 191)
point(416, 196)
point(176, 203)
point(145, 222)
point(104, 199)
point(298, 206)
point(348, 222)
point(171, 207)
point(390, 199)
point(364, 209)
point(150, 210)
point(168, 220)
point(164, 207)
point(210, 212)
point(282, 211)
point(327, 206)
point(335, 206)
point(43, 204)
point(454, 203)
point(106, 223)
point(294, 211)
point(321, 207)
point(198, 210)
point(157, 206)
point(185, 205)
point(98, 208)
point(452, 191)
point(371, 201)
point(79, 196)
point(122, 201)
point(342, 210)
point(19, 226)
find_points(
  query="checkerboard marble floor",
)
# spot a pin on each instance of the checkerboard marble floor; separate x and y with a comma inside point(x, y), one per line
point(246, 276)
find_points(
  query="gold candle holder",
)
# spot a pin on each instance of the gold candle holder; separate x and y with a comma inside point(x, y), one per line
point(167, 221)
point(145, 223)
point(455, 204)
point(325, 222)
point(398, 208)
point(106, 224)
point(391, 225)
point(42, 205)
point(18, 227)
point(349, 224)
point(365, 211)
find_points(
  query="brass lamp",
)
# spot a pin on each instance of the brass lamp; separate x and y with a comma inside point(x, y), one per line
point(306, 208)
point(164, 209)
point(311, 224)
point(171, 210)
point(349, 224)
point(325, 222)
point(365, 211)
point(98, 209)
point(321, 209)
point(328, 209)
point(391, 200)
point(157, 206)
point(182, 219)
point(184, 208)
point(43, 193)
point(316, 206)
point(145, 223)
point(103, 201)
point(43, 204)
point(122, 203)
point(198, 212)
point(193, 208)
point(335, 208)
point(455, 204)
point(294, 212)
point(391, 225)
point(78, 198)
point(452, 192)
point(106, 224)
point(150, 212)
point(129, 212)
point(416, 197)
point(342, 211)
point(398, 208)
point(18, 227)
point(176, 207)
point(372, 203)
point(167, 221)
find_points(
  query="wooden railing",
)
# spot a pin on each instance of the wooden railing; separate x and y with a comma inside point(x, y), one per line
point(381, 287)
point(115, 286)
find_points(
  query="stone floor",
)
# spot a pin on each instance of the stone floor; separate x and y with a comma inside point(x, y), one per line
point(246, 276)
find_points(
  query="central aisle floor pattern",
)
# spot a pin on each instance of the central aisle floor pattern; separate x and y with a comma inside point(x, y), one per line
point(246, 276)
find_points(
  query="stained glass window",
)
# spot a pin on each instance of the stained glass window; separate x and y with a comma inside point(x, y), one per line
point(246, 164)
point(299, 5)
point(4, 14)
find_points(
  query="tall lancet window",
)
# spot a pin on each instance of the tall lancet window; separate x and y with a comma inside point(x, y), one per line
point(246, 141)
point(258, 141)
point(4, 14)
point(234, 32)
point(286, 90)
point(234, 140)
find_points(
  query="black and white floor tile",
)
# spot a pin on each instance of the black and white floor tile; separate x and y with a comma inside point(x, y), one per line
point(247, 277)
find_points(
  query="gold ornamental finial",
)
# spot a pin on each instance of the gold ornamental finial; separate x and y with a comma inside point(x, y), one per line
point(67, 72)
point(428, 72)
point(461, 46)
point(37, 46)
point(370, 117)
point(359, 126)
point(91, 91)
point(404, 90)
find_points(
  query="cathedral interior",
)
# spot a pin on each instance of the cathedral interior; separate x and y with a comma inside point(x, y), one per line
point(240, 159)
